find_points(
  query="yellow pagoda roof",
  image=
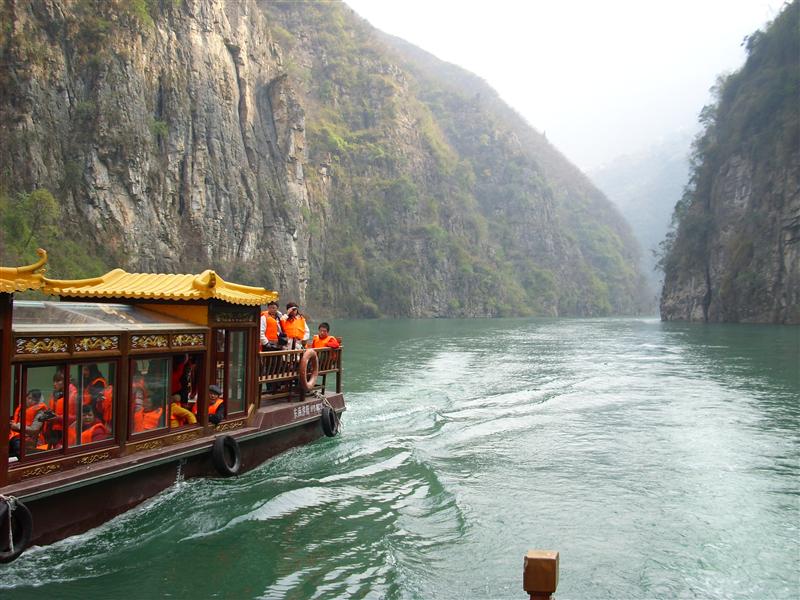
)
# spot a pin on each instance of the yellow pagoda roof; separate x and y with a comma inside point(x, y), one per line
point(21, 279)
point(158, 286)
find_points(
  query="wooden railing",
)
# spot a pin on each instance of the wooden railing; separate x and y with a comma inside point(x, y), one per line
point(278, 372)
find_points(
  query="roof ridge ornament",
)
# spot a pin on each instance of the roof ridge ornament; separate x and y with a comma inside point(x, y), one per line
point(29, 277)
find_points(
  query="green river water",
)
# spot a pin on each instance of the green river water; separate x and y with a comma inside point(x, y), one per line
point(660, 460)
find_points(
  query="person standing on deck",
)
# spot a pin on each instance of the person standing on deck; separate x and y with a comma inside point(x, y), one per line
point(322, 339)
point(295, 327)
point(270, 328)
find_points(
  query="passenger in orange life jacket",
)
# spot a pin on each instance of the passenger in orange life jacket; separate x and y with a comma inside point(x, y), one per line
point(322, 339)
point(55, 427)
point(150, 417)
point(216, 408)
point(97, 391)
point(94, 429)
point(295, 327)
point(270, 331)
point(92, 382)
point(36, 413)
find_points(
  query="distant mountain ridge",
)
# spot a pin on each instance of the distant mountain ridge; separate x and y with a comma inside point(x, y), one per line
point(645, 187)
point(735, 253)
point(291, 145)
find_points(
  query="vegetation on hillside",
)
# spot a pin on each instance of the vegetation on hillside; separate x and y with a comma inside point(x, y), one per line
point(755, 118)
point(461, 203)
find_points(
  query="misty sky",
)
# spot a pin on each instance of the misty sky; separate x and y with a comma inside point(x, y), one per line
point(600, 78)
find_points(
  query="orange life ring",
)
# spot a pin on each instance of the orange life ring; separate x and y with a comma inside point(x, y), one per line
point(309, 369)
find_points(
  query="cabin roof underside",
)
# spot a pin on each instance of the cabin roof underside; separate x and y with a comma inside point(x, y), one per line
point(62, 317)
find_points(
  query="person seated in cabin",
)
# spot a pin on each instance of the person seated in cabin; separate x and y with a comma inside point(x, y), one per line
point(151, 415)
point(182, 378)
point(216, 408)
point(323, 339)
point(270, 331)
point(295, 327)
point(94, 427)
point(36, 413)
point(54, 434)
point(179, 416)
point(97, 391)
point(92, 382)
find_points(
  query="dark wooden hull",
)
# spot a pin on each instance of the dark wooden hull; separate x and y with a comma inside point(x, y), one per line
point(72, 505)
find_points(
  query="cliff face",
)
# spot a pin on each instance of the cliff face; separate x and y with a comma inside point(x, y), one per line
point(735, 255)
point(173, 141)
point(287, 145)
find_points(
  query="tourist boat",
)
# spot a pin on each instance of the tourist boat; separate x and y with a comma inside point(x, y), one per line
point(90, 378)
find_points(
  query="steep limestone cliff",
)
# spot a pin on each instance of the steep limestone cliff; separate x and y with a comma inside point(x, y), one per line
point(735, 255)
point(287, 145)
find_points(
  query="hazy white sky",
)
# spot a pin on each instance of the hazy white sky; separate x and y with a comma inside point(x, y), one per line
point(601, 78)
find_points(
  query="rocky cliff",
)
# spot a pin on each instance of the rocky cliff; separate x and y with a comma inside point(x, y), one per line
point(735, 253)
point(289, 145)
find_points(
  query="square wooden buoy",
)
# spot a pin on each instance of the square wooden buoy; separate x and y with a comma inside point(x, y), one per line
point(540, 577)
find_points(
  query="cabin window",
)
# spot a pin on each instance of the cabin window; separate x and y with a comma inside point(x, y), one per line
point(164, 392)
point(95, 383)
point(230, 360)
point(61, 406)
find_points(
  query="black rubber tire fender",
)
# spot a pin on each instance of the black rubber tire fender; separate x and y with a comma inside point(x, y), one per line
point(21, 531)
point(308, 375)
point(226, 456)
point(329, 421)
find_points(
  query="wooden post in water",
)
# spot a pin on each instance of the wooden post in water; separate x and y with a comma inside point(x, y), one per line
point(540, 577)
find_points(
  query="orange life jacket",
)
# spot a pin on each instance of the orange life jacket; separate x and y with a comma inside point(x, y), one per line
point(145, 420)
point(97, 381)
point(271, 327)
point(108, 405)
point(294, 328)
point(328, 342)
point(30, 414)
point(57, 406)
point(95, 433)
point(212, 409)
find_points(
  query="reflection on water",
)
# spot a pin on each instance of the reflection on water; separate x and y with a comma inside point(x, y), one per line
point(661, 460)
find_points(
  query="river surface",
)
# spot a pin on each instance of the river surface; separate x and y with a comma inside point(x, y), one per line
point(660, 460)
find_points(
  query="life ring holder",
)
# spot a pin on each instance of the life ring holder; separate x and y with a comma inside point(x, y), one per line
point(308, 377)
point(19, 523)
point(226, 456)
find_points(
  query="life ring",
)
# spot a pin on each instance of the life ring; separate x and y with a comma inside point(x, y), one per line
point(226, 456)
point(330, 421)
point(21, 522)
point(308, 376)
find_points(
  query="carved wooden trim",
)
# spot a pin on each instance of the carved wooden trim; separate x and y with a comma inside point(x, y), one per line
point(230, 425)
point(185, 437)
point(148, 445)
point(139, 342)
point(41, 470)
point(95, 343)
point(90, 459)
point(188, 339)
point(41, 345)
